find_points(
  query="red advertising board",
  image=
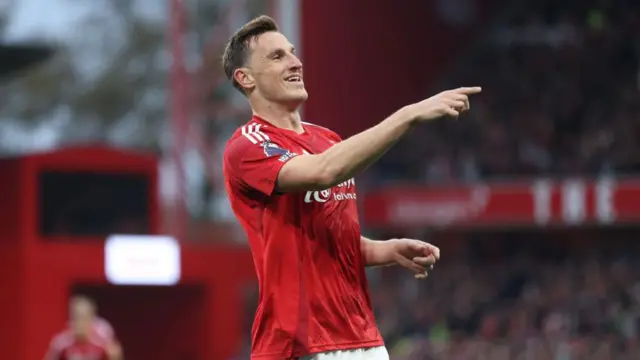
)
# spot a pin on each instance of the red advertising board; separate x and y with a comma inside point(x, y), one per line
point(519, 203)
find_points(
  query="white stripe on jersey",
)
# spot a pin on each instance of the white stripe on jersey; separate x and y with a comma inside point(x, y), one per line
point(254, 134)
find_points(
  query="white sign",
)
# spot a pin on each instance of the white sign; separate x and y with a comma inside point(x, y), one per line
point(142, 260)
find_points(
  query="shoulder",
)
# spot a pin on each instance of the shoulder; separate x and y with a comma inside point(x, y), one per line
point(251, 133)
point(62, 340)
point(103, 329)
point(254, 137)
point(247, 137)
point(322, 130)
point(254, 132)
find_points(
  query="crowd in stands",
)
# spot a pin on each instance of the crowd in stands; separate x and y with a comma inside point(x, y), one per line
point(561, 96)
point(518, 295)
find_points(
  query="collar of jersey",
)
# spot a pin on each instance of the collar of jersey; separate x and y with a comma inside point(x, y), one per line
point(260, 120)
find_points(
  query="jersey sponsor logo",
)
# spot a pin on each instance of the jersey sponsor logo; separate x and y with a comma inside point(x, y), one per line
point(317, 196)
point(349, 183)
point(254, 133)
point(323, 196)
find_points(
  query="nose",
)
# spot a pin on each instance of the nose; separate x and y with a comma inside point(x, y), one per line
point(296, 64)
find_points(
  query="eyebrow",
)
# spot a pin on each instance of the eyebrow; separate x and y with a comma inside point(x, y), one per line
point(276, 51)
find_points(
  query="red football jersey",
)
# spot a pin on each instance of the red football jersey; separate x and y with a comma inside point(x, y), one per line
point(314, 294)
point(65, 346)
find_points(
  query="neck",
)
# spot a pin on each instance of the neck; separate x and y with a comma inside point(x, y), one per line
point(282, 116)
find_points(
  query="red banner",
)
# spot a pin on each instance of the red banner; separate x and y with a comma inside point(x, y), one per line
point(526, 203)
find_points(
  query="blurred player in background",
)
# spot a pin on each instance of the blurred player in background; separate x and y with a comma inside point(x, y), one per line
point(87, 337)
point(291, 186)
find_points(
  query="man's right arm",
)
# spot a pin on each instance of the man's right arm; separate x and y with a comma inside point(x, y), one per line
point(346, 159)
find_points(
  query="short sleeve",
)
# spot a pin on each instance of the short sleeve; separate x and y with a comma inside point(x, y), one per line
point(255, 165)
point(334, 136)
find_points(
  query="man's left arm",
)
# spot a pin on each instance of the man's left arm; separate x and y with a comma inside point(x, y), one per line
point(415, 255)
point(377, 253)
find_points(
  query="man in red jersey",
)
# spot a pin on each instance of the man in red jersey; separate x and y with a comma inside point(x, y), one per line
point(88, 336)
point(291, 187)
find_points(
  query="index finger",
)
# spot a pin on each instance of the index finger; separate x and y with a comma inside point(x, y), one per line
point(469, 90)
point(434, 250)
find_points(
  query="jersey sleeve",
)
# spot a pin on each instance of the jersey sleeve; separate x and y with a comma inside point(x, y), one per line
point(335, 137)
point(255, 165)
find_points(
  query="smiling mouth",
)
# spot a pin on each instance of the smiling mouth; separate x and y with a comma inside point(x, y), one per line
point(293, 79)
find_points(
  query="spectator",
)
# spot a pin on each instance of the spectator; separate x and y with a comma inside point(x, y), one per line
point(561, 98)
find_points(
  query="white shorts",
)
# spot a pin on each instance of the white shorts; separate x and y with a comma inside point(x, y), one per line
point(375, 353)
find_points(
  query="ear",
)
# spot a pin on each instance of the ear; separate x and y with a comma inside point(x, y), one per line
point(243, 77)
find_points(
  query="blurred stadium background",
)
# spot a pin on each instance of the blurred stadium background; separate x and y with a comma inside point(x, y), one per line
point(113, 115)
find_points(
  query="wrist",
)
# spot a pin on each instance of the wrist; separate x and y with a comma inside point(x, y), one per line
point(408, 115)
point(391, 250)
point(380, 253)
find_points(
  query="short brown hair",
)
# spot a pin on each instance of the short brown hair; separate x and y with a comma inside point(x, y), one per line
point(236, 52)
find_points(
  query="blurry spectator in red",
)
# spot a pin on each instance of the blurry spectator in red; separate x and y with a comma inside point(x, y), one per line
point(87, 336)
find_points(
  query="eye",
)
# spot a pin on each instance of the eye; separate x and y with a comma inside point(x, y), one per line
point(277, 55)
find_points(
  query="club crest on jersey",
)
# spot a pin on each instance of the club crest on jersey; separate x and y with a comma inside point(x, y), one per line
point(270, 149)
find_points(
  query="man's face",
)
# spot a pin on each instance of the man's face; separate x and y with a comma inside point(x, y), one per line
point(82, 317)
point(275, 70)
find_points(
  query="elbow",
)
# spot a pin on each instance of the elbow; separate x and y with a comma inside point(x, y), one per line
point(324, 179)
point(326, 175)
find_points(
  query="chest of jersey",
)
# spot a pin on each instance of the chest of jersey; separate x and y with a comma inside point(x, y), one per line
point(305, 144)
